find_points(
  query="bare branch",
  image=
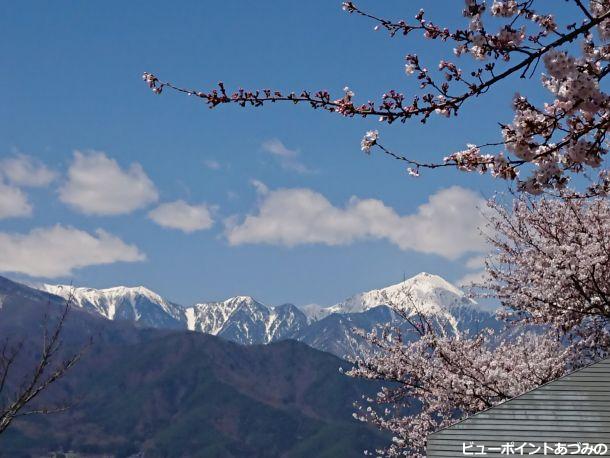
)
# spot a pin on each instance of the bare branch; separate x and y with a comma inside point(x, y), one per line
point(47, 371)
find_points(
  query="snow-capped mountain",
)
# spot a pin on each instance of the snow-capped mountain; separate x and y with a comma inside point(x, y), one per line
point(432, 296)
point(137, 304)
point(244, 320)
point(240, 319)
point(428, 293)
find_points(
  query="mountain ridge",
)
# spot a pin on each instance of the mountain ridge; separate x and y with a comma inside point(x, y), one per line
point(245, 320)
point(138, 304)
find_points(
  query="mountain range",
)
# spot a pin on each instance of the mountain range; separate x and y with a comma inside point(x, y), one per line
point(163, 380)
point(150, 392)
point(244, 320)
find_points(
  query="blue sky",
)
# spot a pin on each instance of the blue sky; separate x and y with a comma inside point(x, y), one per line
point(71, 79)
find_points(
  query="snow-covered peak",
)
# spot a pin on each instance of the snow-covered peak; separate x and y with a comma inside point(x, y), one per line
point(211, 317)
point(138, 304)
point(133, 291)
point(442, 303)
point(427, 293)
point(238, 301)
point(245, 320)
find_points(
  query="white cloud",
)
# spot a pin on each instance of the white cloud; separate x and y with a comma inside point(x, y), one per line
point(261, 188)
point(23, 170)
point(446, 225)
point(13, 202)
point(287, 158)
point(97, 185)
point(472, 278)
point(212, 164)
point(55, 251)
point(477, 264)
point(182, 216)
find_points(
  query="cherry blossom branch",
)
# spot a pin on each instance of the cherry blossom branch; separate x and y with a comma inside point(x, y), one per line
point(322, 99)
point(562, 138)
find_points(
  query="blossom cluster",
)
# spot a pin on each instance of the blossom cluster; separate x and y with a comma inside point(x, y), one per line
point(369, 141)
point(551, 266)
point(441, 377)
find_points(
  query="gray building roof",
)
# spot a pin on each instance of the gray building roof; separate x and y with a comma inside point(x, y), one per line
point(569, 410)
